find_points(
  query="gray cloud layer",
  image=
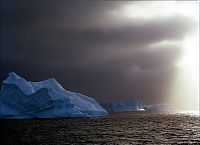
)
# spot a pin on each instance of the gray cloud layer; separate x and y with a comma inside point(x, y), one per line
point(90, 51)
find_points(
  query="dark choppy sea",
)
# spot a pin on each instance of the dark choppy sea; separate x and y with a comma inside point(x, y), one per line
point(118, 128)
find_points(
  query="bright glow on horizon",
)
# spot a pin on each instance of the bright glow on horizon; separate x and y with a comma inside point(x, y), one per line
point(185, 88)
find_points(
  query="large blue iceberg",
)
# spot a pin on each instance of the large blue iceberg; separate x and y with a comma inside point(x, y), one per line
point(46, 99)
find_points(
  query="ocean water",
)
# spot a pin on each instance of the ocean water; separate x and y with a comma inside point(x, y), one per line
point(117, 128)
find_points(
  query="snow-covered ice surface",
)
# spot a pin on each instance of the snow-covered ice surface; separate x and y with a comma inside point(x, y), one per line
point(46, 99)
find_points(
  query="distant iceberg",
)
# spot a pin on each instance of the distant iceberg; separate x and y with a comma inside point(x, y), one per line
point(124, 106)
point(46, 99)
point(159, 107)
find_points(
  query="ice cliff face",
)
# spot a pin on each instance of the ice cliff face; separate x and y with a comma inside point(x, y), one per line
point(46, 99)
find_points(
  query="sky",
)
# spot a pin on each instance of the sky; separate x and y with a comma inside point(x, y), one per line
point(109, 50)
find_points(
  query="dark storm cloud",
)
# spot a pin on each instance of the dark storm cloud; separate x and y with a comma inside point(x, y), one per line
point(88, 51)
point(93, 44)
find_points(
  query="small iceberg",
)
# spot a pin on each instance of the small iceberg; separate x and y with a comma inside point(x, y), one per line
point(159, 107)
point(124, 106)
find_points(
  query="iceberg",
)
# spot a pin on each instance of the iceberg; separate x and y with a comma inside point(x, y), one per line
point(124, 106)
point(159, 107)
point(46, 99)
